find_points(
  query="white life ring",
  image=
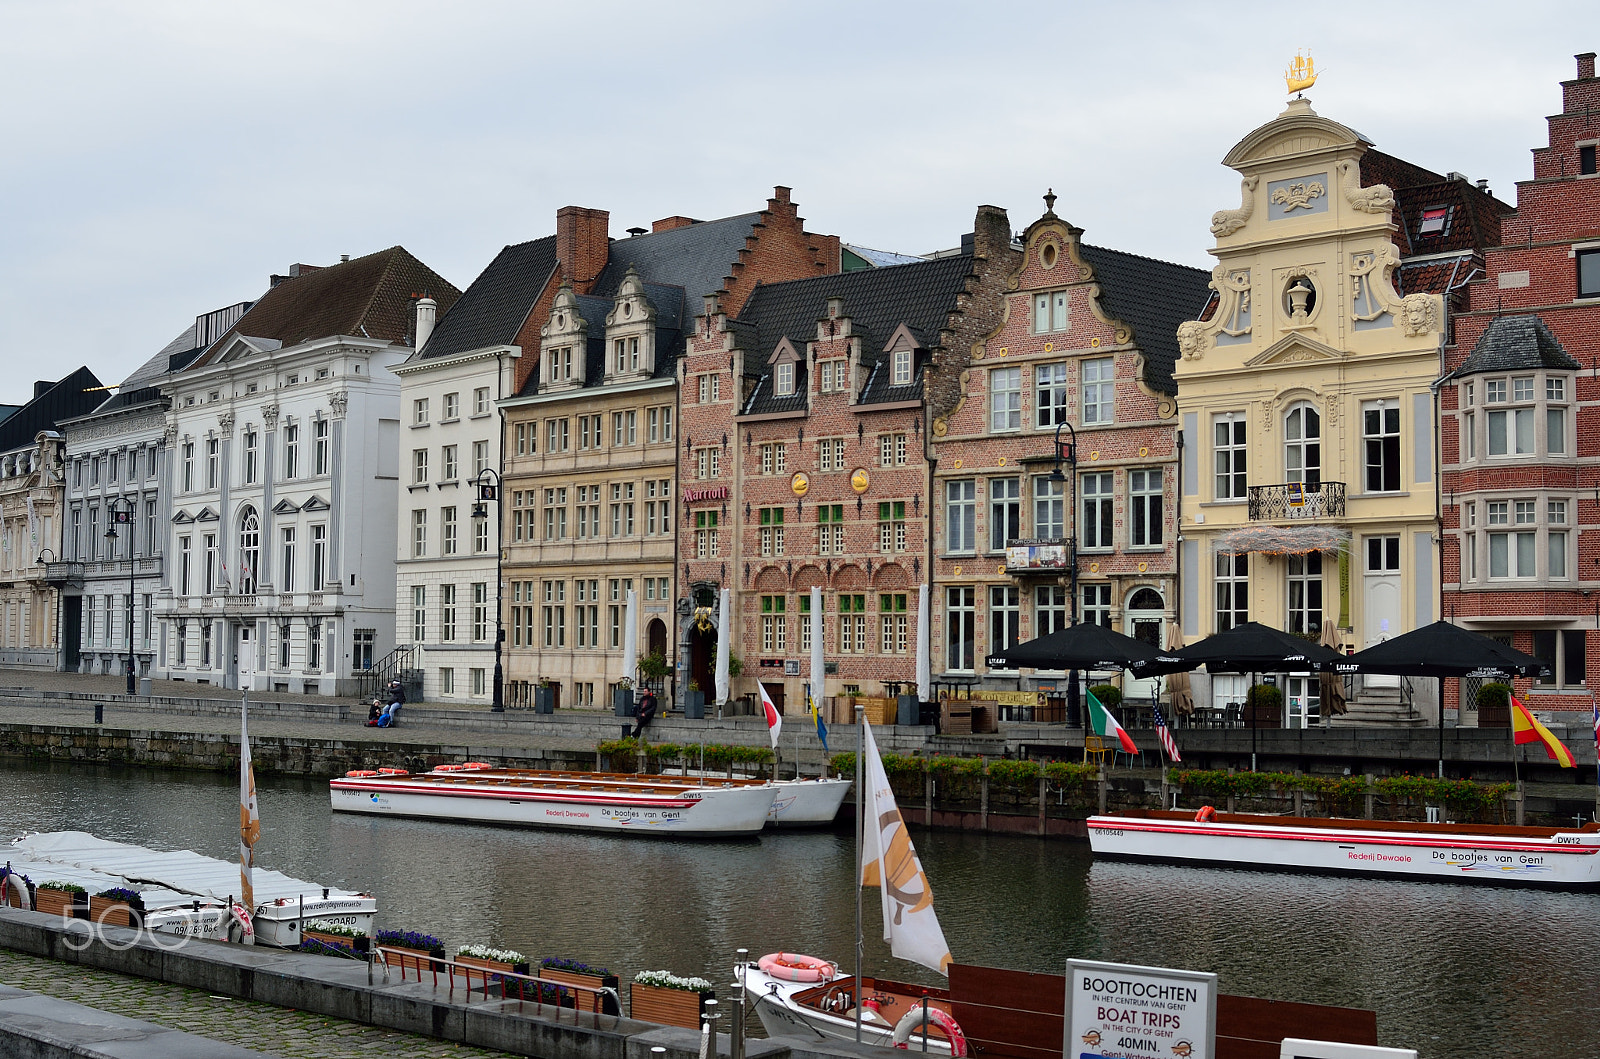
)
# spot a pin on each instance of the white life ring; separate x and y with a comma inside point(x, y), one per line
point(793, 967)
point(241, 931)
point(912, 1020)
point(7, 886)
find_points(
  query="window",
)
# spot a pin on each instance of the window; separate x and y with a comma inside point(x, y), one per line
point(1050, 389)
point(589, 433)
point(892, 526)
point(960, 623)
point(250, 448)
point(555, 614)
point(1094, 529)
point(447, 531)
point(480, 401)
point(1099, 388)
point(447, 613)
point(183, 565)
point(624, 428)
point(1146, 510)
point(1233, 590)
point(1305, 594)
point(94, 533)
point(1051, 612)
point(478, 676)
point(1563, 651)
point(622, 509)
point(1383, 555)
point(205, 644)
point(1556, 539)
point(830, 454)
point(617, 610)
point(1586, 160)
point(708, 463)
point(1380, 427)
point(212, 571)
point(710, 388)
point(286, 543)
point(1469, 435)
point(555, 514)
point(319, 557)
point(115, 463)
point(774, 624)
point(659, 424)
point(771, 519)
point(419, 613)
point(830, 375)
point(291, 451)
point(783, 379)
point(830, 529)
point(182, 637)
point(527, 439)
point(586, 613)
point(1302, 432)
point(556, 435)
point(1589, 273)
point(480, 610)
point(625, 354)
point(1005, 617)
point(1049, 509)
point(961, 516)
point(894, 624)
point(447, 680)
point(1510, 429)
point(805, 622)
point(319, 433)
point(588, 511)
point(419, 412)
point(560, 364)
point(419, 466)
point(1097, 604)
point(1005, 399)
point(902, 367)
point(249, 551)
point(706, 542)
point(419, 533)
point(149, 528)
point(1049, 312)
point(447, 463)
point(852, 624)
point(188, 467)
point(1435, 220)
point(452, 407)
point(1555, 416)
point(521, 521)
point(285, 643)
point(773, 458)
point(658, 511)
point(480, 535)
point(892, 450)
point(211, 463)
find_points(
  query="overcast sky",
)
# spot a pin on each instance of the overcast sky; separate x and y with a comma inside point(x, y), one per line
point(161, 158)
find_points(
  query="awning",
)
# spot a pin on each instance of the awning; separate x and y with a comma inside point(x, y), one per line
point(1282, 540)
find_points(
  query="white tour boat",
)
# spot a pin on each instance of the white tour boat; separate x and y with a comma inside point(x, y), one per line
point(585, 801)
point(811, 801)
point(186, 893)
point(1564, 858)
point(822, 1007)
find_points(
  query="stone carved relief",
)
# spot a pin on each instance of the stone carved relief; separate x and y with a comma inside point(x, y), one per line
point(1371, 294)
point(1192, 339)
point(225, 421)
point(1226, 222)
point(1299, 195)
point(1375, 199)
point(1419, 314)
point(169, 432)
point(339, 402)
point(269, 416)
point(1234, 287)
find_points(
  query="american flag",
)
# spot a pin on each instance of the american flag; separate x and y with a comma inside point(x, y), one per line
point(1596, 704)
point(1171, 746)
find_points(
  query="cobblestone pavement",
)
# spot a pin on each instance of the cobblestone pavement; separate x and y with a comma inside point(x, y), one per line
point(248, 1024)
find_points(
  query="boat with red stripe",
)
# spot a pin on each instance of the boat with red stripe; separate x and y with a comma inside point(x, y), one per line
point(1558, 858)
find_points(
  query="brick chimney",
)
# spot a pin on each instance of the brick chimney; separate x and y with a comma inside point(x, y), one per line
point(1585, 66)
point(991, 233)
point(666, 224)
point(582, 244)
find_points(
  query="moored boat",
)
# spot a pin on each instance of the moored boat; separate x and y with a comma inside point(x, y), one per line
point(822, 1007)
point(811, 801)
point(585, 801)
point(1560, 858)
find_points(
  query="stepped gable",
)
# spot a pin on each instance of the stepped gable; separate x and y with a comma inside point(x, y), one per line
point(922, 296)
point(1152, 297)
point(368, 297)
point(494, 307)
point(1517, 343)
point(696, 257)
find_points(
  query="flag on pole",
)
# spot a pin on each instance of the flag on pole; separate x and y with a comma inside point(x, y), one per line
point(1596, 704)
point(249, 817)
point(1106, 726)
point(1168, 744)
point(889, 862)
point(822, 729)
point(1525, 728)
point(774, 718)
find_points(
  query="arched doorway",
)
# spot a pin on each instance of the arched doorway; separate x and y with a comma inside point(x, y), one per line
point(1143, 619)
point(655, 638)
point(703, 658)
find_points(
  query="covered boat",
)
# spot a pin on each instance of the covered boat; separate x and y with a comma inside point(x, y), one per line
point(822, 1007)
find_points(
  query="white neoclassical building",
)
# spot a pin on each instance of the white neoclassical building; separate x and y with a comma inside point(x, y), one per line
point(284, 441)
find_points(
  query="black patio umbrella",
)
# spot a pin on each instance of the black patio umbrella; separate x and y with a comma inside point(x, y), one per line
point(1085, 645)
point(1440, 650)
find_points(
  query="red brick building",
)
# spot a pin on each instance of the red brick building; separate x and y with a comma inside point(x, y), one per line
point(1520, 421)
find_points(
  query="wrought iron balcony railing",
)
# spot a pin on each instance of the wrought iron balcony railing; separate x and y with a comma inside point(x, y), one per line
point(1296, 500)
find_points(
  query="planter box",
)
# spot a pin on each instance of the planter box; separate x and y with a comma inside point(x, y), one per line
point(353, 944)
point(493, 967)
point(114, 913)
point(609, 1004)
point(669, 1007)
point(409, 959)
point(694, 705)
point(908, 710)
point(544, 700)
point(62, 903)
point(622, 702)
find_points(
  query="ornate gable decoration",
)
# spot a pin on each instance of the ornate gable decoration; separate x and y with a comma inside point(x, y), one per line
point(1298, 131)
point(1294, 349)
point(206, 515)
point(285, 507)
point(631, 331)
point(182, 518)
point(563, 343)
point(242, 346)
point(316, 503)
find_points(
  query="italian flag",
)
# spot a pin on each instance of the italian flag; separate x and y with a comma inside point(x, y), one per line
point(1105, 726)
point(1525, 728)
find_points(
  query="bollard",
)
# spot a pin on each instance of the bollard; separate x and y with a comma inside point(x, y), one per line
point(99, 713)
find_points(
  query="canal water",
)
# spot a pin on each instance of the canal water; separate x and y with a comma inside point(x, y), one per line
point(1451, 970)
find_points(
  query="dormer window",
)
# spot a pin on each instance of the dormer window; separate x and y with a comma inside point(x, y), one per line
point(783, 380)
point(561, 364)
point(625, 352)
point(831, 375)
point(902, 367)
point(1435, 221)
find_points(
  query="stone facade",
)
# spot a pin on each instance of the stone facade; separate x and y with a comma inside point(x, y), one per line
point(30, 537)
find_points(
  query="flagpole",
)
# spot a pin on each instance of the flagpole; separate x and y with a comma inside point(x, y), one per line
point(861, 819)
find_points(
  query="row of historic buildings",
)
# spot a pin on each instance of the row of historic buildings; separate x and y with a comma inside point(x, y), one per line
point(1371, 413)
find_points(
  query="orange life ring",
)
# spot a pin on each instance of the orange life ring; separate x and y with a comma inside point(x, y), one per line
point(939, 1017)
point(449, 768)
point(1206, 814)
point(393, 772)
point(476, 766)
point(793, 967)
point(360, 773)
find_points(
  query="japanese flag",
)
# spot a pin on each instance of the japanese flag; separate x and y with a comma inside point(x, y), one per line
point(774, 719)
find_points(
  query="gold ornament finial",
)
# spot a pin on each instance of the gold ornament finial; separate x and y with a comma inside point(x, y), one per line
point(1301, 74)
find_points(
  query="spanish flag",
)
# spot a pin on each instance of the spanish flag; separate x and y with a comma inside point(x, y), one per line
point(1525, 728)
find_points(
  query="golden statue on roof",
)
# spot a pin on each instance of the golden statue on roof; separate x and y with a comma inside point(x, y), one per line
point(1302, 73)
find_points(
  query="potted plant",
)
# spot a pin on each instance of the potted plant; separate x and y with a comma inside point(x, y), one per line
point(573, 972)
point(1494, 706)
point(694, 704)
point(666, 998)
point(622, 697)
point(417, 948)
point(117, 907)
point(1264, 707)
point(335, 935)
point(544, 696)
point(61, 898)
point(653, 666)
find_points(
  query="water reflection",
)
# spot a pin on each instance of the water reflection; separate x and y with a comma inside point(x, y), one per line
point(1450, 970)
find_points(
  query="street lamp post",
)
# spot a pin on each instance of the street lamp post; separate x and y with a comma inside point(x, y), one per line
point(1057, 476)
point(120, 512)
point(488, 483)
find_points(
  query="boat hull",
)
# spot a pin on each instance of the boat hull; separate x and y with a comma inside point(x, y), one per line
point(698, 812)
point(807, 803)
point(1506, 857)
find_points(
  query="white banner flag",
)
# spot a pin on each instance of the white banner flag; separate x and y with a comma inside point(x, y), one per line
point(889, 862)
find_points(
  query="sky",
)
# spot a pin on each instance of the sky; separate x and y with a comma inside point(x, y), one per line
point(161, 158)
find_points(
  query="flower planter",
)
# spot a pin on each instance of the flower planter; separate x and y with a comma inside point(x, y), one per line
point(609, 1004)
point(63, 903)
point(544, 700)
point(408, 959)
point(669, 1007)
point(694, 705)
point(342, 940)
point(114, 913)
point(622, 701)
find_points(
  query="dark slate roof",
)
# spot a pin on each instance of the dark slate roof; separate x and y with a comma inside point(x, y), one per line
point(921, 295)
point(492, 310)
point(368, 297)
point(1152, 297)
point(697, 257)
point(73, 396)
point(1517, 343)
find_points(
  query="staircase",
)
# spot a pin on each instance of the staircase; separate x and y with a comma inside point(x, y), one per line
point(1382, 707)
point(397, 663)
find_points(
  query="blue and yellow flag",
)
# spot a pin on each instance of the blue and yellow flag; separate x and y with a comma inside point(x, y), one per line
point(816, 718)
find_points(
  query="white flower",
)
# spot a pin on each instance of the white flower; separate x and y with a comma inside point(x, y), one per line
point(484, 952)
point(668, 980)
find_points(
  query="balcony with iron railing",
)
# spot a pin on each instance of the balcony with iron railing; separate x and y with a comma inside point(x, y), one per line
point(1295, 501)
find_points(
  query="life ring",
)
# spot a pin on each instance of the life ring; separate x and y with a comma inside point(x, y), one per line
point(449, 768)
point(939, 1017)
point(360, 773)
point(241, 930)
point(476, 766)
point(8, 886)
point(793, 967)
point(394, 772)
point(1206, 814)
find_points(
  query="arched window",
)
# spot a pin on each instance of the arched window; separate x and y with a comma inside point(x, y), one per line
point(1145, 599)
point(1302, 433)
point(249, 551)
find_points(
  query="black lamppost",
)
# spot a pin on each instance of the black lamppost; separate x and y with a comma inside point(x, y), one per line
point(1073, 705)
point(120, 512)
point(488, 483)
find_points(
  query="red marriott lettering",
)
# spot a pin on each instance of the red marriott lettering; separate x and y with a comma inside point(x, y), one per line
point(716, 492)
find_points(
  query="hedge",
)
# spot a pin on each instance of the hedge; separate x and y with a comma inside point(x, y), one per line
point(1462, 795)
point(1006, 772)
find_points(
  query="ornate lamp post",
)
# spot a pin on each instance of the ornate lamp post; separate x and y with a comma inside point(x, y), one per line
point(488, 483)
point(1072, 547)
point(120, 512)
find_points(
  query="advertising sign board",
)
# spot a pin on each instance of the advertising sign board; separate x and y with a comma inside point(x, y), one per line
point(1117, 1011)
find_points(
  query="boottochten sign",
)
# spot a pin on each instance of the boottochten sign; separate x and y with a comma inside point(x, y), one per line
point(1117, 1011)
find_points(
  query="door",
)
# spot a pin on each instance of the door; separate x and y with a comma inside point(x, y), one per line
point(1381, 584)
point(775, 693)
point(1143, 621)
point(71, 632)
point(1303, 702)
point(246, 655)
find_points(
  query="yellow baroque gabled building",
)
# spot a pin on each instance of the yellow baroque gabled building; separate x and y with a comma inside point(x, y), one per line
point(1309, 471)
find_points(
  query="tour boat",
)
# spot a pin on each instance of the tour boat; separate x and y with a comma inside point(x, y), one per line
point(801, 802)
point(586, 801)
point(822, 1007)
point(1561, 858)
point(189, 894)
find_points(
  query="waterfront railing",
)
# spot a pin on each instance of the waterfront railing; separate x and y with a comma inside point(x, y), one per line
point(502, 985)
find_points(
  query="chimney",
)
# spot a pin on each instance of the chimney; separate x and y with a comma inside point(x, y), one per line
point(582, 244)
point(427, 311)
point(41, 387)
point(666, 224)
point(991, 233)
point(1585, 66)
point(781, 194)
